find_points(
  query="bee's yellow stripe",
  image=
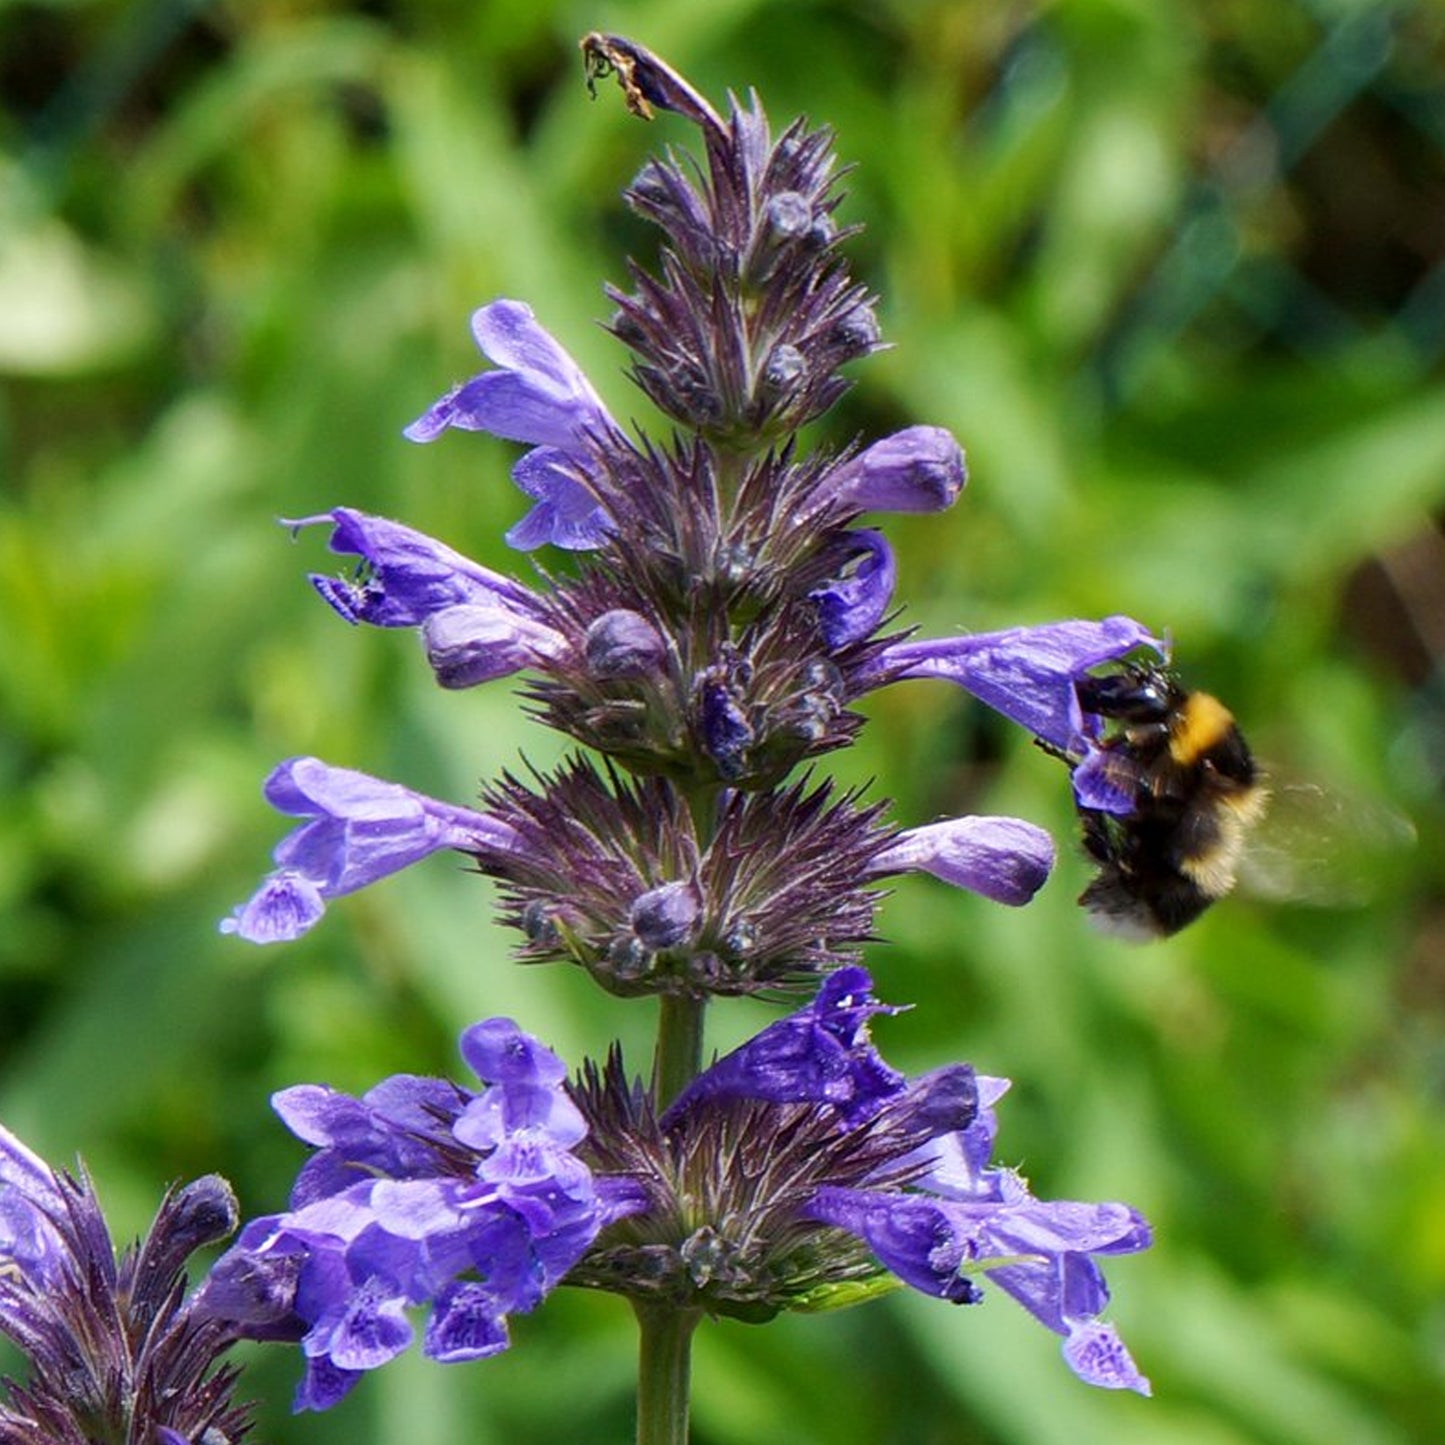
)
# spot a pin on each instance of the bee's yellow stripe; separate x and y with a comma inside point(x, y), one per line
point(1201, 723)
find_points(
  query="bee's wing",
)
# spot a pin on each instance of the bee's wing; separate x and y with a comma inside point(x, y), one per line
point(1320, 845)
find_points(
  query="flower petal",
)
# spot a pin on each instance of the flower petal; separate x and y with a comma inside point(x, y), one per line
point(286, 905)
point(1004, 859)
point(360, 829)
point(567, 514)
point(821, 1053)
point(852, 605)
point(914, 1236)
point(1026, 673)
point(501, 1053)
point(919, 469)
point(466, 1324)
point(538, 394)
point(324, 1385)
point(407, 576)
point(1096, 1354)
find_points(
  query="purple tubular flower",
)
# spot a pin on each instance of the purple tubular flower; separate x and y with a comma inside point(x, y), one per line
point(965, 1216)
point(1053, 1274)
point(933, 1245)
point(421, 1192)
point(959, 1217)
point(567, 514)
point(855, 602)
point(1026, 673)
point(384, 1132)
point(406, 575)
point(360, 829)
point(820, 1054)
point(477, 624)
point(476, 642)
point(537, 394)
point(1004, 859)
point(29, 1203)
point(919, 469)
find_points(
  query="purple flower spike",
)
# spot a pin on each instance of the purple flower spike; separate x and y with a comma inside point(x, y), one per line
point(901, 1163)
point(538, 394)
point(406, 575)
point(1026, 673)
point(919, 469)
point(360, 829)
point(1004, 859)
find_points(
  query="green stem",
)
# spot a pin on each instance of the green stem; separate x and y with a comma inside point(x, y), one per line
point(663, 1369)
point(679, 1046)
point(665, 1356)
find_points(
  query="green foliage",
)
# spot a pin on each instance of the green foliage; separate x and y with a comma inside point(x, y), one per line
point(1197, 373)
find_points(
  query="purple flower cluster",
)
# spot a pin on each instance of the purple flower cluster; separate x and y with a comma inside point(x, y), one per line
point(902, 1165)
point(421, 1192)
point(478, 1204)
point(958, 1217)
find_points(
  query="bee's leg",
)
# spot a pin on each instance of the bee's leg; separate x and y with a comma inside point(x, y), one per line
point(1098, 840)
point(1055, 751)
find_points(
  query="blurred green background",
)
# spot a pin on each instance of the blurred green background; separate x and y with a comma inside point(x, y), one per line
point(1173, 273)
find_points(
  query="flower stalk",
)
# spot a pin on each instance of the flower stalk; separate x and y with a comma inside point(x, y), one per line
point(678, 1059)
point(663, 1372)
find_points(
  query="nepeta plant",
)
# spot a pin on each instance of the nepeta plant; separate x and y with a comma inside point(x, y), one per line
point(119, 1352)
point(726, 610)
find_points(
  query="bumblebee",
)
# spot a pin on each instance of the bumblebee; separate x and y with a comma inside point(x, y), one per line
point(1188, 791)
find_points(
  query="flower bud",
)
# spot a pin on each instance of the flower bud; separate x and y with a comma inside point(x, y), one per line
point(666, 917)
point(623, 643)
